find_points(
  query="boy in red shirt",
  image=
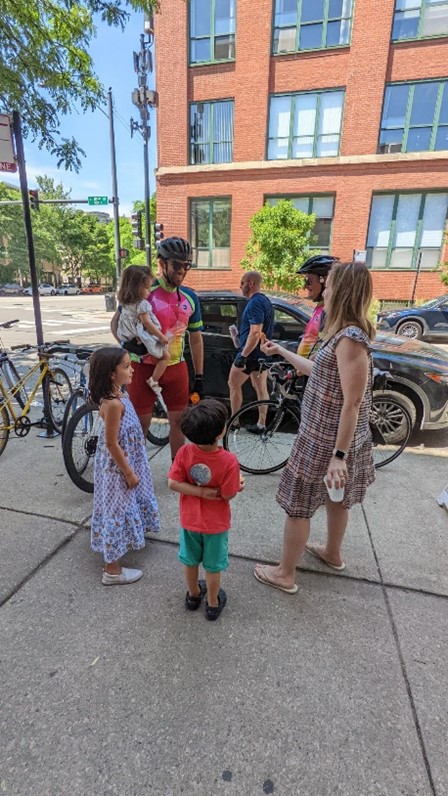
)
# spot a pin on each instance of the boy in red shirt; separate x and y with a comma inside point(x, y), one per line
point(207, 478)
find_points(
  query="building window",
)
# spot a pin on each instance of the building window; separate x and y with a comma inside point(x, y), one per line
point(416, 19)
point(323, 209)
point(305, 125)
point(403, 226)
point(415, 117)
point(210, 232)
point(211, 132)
point(212, 30)
point(311, 24)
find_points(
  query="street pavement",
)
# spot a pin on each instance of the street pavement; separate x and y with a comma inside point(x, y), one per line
point(339, 689)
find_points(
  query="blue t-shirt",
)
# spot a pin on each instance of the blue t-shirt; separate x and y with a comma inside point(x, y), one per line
point(257, 310)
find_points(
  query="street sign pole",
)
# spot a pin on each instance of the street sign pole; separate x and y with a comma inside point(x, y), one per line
point(28, 228)
point(115, 199)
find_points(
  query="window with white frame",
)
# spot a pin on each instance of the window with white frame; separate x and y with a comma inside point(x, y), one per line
point(212, 30)
point(323, 209)
point(404, 225)
point(305, 125)
point(415, 117)
point(210, 231)
point(211, 132)
point(417, 19)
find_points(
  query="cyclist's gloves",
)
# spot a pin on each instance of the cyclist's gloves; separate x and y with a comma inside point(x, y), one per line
point(198, 386)
point(240, 361)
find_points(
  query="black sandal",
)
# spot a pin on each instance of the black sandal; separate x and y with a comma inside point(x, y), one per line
point(213, 612)
point(193, 603)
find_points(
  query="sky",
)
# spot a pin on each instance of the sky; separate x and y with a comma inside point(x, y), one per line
point(112, 58)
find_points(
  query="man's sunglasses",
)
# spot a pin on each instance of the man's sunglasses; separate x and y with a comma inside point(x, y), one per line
point(178, 266)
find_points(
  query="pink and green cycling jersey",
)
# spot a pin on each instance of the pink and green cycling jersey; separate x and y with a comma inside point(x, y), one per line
point(311, 333)
point(178, 311)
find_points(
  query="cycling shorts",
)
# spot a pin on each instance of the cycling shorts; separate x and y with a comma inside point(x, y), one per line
point(175, 386)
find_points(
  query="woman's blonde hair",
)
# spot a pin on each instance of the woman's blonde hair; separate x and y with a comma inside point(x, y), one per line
point(351, 296)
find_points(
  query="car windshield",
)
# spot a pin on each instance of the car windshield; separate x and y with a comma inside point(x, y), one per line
point(433, 302)
point(295, 301)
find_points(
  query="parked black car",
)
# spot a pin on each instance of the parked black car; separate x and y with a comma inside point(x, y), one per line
point(427, 321)
point(418, 371)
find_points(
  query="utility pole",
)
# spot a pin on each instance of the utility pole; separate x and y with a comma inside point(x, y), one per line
point(144, 99)
point(115, 199)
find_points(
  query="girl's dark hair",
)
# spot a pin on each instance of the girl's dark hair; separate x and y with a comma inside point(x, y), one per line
point(132, 279)
point(204, 422)
point(102, 364)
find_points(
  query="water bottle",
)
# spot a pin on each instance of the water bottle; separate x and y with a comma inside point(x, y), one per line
point(233, 331)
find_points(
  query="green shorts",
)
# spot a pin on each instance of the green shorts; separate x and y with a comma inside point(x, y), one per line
point(210, 549)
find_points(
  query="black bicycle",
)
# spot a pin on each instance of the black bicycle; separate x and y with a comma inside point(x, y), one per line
point(268, 450)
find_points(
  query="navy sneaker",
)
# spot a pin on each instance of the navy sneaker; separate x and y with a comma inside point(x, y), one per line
point(212, 612)
point(193, 603)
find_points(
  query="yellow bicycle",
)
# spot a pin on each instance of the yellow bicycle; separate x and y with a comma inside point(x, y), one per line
point(15, 402)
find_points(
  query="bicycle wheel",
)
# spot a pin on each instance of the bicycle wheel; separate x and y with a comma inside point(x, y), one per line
point(159, 430)
point(4, 428)
point(391, 427)
point(270, 450)
point(77, 399)
point(79, 446)
point(11, 374)
point(57, 389)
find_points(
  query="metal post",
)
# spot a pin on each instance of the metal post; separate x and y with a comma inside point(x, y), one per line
point(17, 127)
point(414, 288)
point(115, 199)
point(147, 189)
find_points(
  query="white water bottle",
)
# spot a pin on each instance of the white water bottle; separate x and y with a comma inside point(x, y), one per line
point(233, 331)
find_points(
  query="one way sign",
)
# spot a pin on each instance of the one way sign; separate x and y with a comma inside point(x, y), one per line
point(7, 159)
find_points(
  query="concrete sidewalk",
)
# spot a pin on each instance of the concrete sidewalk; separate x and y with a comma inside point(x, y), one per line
point(337, 690)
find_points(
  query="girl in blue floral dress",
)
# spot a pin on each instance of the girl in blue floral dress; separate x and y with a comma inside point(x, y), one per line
point(124, 505)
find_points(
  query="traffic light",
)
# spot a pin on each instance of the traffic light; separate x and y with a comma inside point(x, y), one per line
point(158, 232)
point(34, 199)
point(136, 222)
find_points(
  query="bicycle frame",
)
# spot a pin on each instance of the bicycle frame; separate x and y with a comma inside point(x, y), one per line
point(8, 395)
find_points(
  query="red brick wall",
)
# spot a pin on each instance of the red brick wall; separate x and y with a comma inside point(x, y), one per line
point(363, 68)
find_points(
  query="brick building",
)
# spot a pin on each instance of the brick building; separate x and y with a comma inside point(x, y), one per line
point(340, 106)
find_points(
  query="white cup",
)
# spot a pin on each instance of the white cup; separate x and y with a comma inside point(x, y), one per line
point(335, 495)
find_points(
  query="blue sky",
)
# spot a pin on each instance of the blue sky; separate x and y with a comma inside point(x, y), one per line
point(113, 63)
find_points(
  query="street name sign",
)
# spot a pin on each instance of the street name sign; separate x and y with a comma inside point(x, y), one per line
point(7, 158)
point(98, 200)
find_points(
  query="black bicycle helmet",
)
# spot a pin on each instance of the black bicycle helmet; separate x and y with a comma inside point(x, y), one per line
point(320, 265)
point(175, 249)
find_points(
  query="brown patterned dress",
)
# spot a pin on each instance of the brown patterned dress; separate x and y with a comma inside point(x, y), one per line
point(302, 489)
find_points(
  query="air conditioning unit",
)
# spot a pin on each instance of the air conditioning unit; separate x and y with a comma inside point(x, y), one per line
point(387, 149)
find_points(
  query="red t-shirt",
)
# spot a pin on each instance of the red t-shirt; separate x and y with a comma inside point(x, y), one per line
point(215, 469)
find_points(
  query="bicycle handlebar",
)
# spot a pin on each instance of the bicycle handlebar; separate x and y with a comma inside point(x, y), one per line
point(8, 324)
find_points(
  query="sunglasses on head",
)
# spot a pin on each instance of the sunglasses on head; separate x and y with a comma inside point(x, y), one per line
point(178, 266)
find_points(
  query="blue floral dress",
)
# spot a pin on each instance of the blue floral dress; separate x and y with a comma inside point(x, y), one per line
point(121, 516)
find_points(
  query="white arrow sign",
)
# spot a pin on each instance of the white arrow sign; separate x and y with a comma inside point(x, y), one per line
point(7, 158)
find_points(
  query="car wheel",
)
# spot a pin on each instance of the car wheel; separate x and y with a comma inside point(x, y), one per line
point(53, 293)
point(78, 292)
point(412, 329)
point(390, 412)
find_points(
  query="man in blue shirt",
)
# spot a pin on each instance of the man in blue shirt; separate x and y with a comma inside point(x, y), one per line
point(258, 319)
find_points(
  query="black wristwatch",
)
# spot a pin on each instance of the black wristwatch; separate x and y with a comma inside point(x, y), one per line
point(339, 454)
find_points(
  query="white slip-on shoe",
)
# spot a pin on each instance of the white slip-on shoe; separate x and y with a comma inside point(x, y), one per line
point(126, 576)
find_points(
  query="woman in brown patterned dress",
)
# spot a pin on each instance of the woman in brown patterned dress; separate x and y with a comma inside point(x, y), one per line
point(334, 440)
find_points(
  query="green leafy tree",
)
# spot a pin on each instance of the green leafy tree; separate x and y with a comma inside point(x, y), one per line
point(279, 244)
point(45, 68)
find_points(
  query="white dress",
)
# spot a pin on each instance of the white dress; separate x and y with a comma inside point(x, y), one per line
point(129, 327)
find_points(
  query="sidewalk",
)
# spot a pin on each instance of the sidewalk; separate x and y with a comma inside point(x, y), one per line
point(337, 690)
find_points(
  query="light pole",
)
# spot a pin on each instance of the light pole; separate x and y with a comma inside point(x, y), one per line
point(144, 98)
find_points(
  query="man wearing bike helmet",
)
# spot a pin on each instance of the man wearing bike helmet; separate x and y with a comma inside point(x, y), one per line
point(315, 270)
point(178, 310)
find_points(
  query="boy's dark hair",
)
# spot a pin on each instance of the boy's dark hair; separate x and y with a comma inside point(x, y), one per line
point(204, 422)
point(132, 279)
point(102, 364)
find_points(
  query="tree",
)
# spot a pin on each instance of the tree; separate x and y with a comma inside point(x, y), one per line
point(279, 244)
point(45, 69)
